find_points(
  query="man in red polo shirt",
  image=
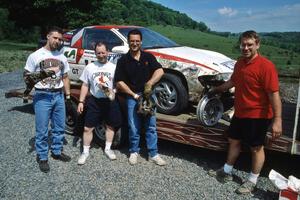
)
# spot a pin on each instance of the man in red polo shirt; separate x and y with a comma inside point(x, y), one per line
point(257, 106)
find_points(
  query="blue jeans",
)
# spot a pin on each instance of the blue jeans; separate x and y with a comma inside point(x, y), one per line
point(135, 122)
point(49, 106)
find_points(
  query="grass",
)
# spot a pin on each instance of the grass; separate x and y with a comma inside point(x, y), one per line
point(13, 55)
point(287, 62)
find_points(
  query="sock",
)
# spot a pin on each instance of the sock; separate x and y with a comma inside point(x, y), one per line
point(107, 145)
point(228, 168)
point(253, 178)
point(86, 149)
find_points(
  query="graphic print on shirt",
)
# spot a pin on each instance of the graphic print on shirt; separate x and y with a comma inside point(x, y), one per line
point(102, 79)
point(54, 65)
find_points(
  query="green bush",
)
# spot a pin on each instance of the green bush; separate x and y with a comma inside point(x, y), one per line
point(8, 30)
point(6, 26)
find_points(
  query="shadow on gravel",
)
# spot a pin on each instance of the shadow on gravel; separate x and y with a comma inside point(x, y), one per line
point(124, 149)
point(283, 163)
point(31, 145)
point(265, 195)
point(26, 108)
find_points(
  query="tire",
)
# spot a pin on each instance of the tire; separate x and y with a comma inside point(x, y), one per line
point(71, 120)
point(170, 95)
point(209, 110)
point(120, 137)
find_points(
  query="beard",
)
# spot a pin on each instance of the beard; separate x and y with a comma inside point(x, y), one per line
point(54, 46)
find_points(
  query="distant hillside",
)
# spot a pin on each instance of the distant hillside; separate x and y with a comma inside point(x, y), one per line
point(28, 17)
point(284, 40)
point(286, 61)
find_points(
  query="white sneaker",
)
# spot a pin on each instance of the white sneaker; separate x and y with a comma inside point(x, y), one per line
point(110, 154)
point(82, 158)
point(133, 158)
point(158, 160)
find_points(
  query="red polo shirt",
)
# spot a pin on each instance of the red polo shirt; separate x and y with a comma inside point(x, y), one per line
point(253, 81)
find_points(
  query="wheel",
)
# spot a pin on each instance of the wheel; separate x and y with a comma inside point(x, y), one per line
point(170, 95)
point(71, 119)
point(209, 110)
point(120, 136)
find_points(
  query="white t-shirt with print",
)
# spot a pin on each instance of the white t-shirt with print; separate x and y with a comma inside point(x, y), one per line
point(98, 73)
point(43, 59)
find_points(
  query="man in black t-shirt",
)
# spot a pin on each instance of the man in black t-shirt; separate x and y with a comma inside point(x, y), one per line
point(136, 73)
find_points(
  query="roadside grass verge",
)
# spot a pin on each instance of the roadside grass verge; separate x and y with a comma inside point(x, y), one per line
point(13, 55)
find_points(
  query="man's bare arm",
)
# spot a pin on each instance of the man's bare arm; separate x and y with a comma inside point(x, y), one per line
point(158, 73)
point(66, 81)
point(277, 109)
point(83, 93)
point(225, 86)
point(123, 87)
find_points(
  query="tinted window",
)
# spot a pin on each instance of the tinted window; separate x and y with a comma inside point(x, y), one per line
point(151, 39)
point(92, 36)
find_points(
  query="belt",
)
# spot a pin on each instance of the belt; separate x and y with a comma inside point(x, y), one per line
point(49, 89)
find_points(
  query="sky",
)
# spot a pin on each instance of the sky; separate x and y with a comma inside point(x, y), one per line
point(240, 15)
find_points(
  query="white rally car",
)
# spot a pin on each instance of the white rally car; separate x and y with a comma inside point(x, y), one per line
point(182, 65)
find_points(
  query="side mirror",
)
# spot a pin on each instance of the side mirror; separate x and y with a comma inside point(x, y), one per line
point(120, 49)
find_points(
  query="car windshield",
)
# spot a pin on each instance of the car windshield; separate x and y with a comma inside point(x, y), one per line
point(151, 39)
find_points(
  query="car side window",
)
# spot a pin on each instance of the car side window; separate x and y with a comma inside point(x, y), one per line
point(92, 36)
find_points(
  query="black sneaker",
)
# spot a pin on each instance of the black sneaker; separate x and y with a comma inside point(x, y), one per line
point(62, 157)
point(44, 166)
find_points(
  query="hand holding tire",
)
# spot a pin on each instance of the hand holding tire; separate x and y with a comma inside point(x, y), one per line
point(212, 92)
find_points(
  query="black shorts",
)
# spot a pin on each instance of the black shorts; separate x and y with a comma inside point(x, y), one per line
point(251, 132)
point(102, 110)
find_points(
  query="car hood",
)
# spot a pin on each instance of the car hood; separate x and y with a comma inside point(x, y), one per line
point(211, 60)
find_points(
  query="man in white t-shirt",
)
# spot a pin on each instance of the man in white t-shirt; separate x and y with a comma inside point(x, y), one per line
point(97, 78)
point(48, 100)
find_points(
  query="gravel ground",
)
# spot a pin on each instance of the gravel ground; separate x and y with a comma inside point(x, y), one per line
point(185, 176)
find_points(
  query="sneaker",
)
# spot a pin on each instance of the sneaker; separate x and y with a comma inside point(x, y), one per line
point(110, 154)
point(44, 166)
point(62, 157)
point(158, 160)
point(82, 158)
point(133, 158)
point(246, 188)
point(220, 175)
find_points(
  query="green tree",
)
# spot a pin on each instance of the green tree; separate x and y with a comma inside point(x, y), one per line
point(5, 25)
